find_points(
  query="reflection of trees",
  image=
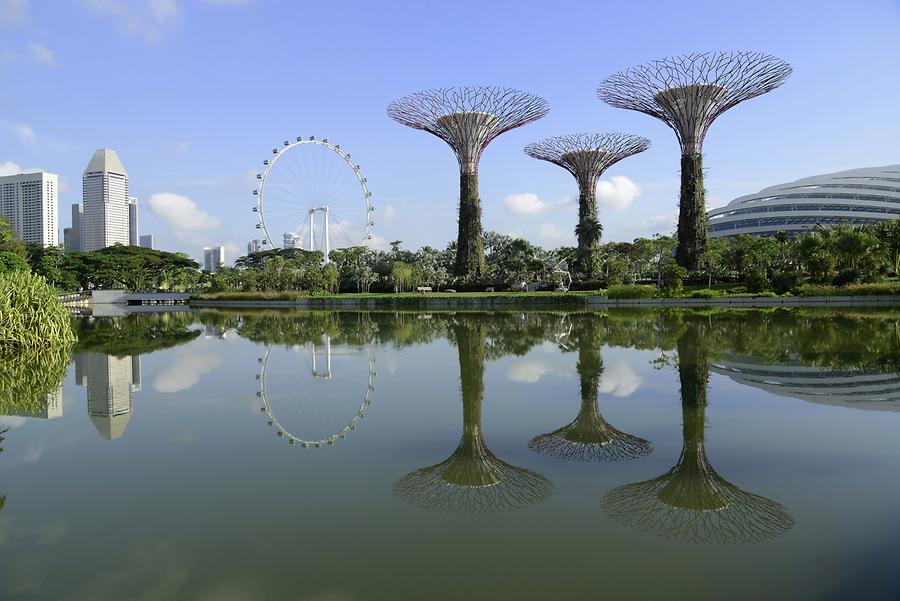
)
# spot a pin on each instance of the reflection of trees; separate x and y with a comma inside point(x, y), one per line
point(472, 479)
point(691, 501)
point(29, 378)
point(590, 437)
point(134, 334)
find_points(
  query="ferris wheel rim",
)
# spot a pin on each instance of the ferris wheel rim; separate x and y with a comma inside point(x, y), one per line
point(278, 152)
point(329, 440)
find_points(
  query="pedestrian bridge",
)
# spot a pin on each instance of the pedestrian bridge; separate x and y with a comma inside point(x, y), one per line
point(120, 297)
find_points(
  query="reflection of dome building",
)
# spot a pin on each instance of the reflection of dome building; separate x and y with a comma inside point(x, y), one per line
point(858, 196)
point(857, 388)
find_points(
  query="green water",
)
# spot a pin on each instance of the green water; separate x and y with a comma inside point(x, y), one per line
point(634, 454)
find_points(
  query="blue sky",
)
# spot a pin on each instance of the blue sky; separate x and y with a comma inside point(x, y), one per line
point(194, 94)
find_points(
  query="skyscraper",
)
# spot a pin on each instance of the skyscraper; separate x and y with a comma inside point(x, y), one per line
point(106, 205)
point(213, 258)
point(147, 241)
point(29, 203)
point(132, 221)
point(253, 247)
point(73, 235)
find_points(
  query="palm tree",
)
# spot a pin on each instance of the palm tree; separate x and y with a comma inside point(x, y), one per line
point(888, 235)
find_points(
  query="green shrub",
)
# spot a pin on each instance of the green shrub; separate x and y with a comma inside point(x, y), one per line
point(632, 291)
point(756, 280)
point(785, 281)
point(705, 293)
point(673, 276)
point(30, 314)
point(12, 262)
point(884, 289)
point(845, 277)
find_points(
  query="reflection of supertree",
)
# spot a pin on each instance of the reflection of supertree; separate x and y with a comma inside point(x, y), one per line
point(688, 93)
point(590, 437)
point(472, 479)
point(587, 156)
point(468, 119)
point(691, 501)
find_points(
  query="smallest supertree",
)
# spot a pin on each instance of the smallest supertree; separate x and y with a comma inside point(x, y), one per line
point(587, 156)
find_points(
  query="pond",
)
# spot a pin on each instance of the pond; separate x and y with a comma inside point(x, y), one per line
point(344, 455)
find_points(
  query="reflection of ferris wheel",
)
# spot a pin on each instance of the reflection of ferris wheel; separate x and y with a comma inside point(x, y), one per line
point(314, 399)
point(312, 195)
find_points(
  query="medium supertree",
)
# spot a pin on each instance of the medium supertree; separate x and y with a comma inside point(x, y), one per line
point(468, 119)
point(472, 479)
point(590, 437)
point(691, 501)
point(587, 156)
point(687, 93)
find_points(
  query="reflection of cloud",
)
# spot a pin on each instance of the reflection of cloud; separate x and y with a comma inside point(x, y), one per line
point(43, 533)
point(184, 373)
point(391, 363)
point(11, 421)
point(619, 380)
point(530, 372)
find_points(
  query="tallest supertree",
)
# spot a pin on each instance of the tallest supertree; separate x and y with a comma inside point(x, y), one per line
point(468, 119)
point(687, 93)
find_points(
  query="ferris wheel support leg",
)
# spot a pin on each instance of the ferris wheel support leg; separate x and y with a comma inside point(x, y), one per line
point(312, 233)
point(327, 241)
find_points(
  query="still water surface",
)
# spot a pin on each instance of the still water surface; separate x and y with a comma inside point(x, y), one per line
point(344, 456)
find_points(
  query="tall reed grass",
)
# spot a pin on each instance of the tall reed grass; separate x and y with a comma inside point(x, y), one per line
point(31, 317)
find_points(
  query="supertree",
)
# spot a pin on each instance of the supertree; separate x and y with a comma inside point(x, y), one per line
point(472, 479)
point(587, 156)
point(691, 501)
point(468, 119)
point(687, 93)
point(590, 437)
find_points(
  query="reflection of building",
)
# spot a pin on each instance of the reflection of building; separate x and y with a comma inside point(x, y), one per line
point(858, 388)
point(51, 409)
point(858, 196)
point(213, 258)
point(28, 202)
point(110, 382)
point(211, 331)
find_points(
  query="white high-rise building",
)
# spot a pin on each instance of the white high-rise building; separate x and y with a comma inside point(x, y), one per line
point(132, 221)
point(28, 201)
point(106, 205)
point(213, 258)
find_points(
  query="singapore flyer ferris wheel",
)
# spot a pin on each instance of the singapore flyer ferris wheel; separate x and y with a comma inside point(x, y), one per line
point(311, 195)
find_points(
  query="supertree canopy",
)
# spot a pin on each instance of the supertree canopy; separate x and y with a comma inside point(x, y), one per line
point(687, 93)
point(691, 501)
point(472, 479)
point(587, 156)
point(590, 437)
point(468, 119)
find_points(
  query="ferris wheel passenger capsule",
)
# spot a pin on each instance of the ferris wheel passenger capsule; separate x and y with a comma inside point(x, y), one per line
point(287, 142)
point(259, 176)
point(299, 138)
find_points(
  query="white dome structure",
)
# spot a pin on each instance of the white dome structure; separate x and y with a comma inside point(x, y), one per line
point(857, 196)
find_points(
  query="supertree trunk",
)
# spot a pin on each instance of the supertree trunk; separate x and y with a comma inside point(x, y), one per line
point(588, 230)
point(692, 222)
point(469, 244)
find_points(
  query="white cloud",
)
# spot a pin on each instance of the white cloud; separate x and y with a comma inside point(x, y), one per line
point(529, 204)
point(617, 193)
point(551, 234)
point(10, 168)
point(182, 214)
point(185, 372)
point(658, 223)
point(20, 130)
point(13, 11)
point(40, 53)
point(714, 202)
point(389, 214)
point(146, 19)
point(619, 380)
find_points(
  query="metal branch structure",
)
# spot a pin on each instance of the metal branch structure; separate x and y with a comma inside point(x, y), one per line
point(472, 479)
point(586, 157)
point(688, 93)
point(691, 502)
point(468, 119)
